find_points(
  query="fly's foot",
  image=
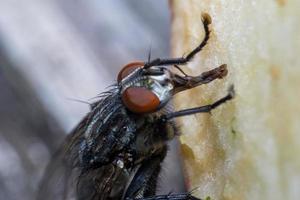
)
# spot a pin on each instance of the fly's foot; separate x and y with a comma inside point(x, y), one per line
point(180, 196)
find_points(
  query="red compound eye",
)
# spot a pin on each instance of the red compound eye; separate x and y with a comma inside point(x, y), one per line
point(140, 100)
point(127, 69)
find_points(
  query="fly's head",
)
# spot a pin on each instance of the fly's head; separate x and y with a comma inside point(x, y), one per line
point(147, 89)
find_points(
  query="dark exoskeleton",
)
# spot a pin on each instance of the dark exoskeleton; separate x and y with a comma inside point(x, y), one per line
point(117, 149)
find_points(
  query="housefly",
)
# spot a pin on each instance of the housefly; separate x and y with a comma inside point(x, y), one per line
point(117, 149)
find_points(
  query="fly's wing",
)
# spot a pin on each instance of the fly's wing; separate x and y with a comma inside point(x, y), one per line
point(61, 176)
point(57, 181)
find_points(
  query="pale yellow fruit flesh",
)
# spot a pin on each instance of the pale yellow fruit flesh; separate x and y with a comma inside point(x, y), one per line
point(248, 148)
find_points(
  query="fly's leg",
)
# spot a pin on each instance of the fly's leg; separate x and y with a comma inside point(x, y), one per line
point(143, 185)
point(201, 109)
point(179, 196)
point(144, 181)
point(181, 61)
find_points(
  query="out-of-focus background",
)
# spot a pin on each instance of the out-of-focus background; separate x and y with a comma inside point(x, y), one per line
point(54, 52)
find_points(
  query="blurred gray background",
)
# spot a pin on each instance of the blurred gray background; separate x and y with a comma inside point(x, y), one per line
point(54, 51)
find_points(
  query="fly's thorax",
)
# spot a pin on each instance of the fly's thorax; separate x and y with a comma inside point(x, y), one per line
point(111, 132)
point(152, 135)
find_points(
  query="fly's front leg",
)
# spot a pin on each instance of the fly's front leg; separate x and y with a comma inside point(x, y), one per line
point(201, 109)
point(206, 20)
point(143, 184)
point(144, 181)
